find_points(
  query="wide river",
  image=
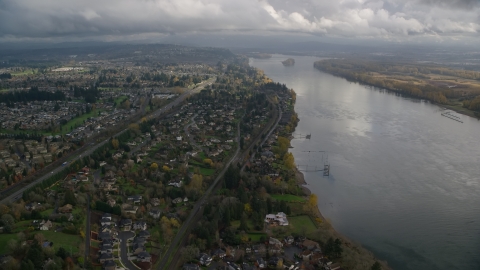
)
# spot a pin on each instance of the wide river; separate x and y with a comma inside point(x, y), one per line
point(404, 181)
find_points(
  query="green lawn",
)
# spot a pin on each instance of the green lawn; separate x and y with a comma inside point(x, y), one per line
point(255, 237)
point(301, 224)
point(4, 239)
point(46, 213)
point(67, 241)
point(288, 198)
point(207, 172)
point(79, 120)
point(20, 73)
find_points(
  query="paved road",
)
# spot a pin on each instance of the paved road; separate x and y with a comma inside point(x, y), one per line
point(124, 237)
point(187, 224)
point(190, 138)
point(87, 233)
point(271, 130)
point(92, 146)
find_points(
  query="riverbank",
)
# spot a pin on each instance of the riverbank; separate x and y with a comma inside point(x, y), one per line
point(354, 253)
point(429, 85)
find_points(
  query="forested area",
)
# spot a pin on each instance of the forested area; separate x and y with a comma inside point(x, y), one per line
point(434, 83)
point(31, 95)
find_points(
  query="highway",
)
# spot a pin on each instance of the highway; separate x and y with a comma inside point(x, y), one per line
point(18, 194)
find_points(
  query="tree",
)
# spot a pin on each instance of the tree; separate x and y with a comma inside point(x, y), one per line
point(165, 168)
point(62, 253)
point(35, 254)
point(243, 224)
point(289, 161)
point(189, 253)
point(115, 143)
point(376, 266)
point(209, 162)
point(197, 182)
point(154, 166)
point(27, 265)
point(70, 198)
point(4, 209)
point(8, 220)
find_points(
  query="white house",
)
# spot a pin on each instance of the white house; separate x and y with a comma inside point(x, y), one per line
point(278, 219)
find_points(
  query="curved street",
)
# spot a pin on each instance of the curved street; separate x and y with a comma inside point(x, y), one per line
point(124, 237)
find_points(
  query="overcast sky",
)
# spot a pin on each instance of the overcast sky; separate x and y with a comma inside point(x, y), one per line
point(111, 20)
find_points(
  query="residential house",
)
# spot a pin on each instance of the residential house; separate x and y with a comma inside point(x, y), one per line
point(155, 202)
point(135, 198)
point(309, 244)
point(155, 213)
point(45, 225)
point(144, 234)
point(144, 257)
point(274, 242)
point(289, 240)
point(190, 266)
point(105, 257)
point(205, 259)
point(176, 183)
point(105, 249)
point(139, 225)
point(109, 265)
point(32, 206)
point(261, 263)
point(278, 219)
point(67, 208)
point(219, 253)
point(111, 202)
point(246, 266)
point(259, 249)
point(126, 224)
point(177, 200)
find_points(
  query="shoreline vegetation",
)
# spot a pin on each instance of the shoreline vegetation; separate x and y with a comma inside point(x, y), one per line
point(457, 90)
point(354, 256)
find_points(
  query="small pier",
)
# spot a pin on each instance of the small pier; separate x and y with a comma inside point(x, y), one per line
point(451, 115)
point(302, 136)
point(317, 168)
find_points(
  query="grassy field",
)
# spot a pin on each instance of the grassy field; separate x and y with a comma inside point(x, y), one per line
point(288, 198)
point(126, 186)
point(79, 121)
point(4, 239)
point(47, 212)
point(20, 73)
point(301, 225)
point(255, 237)
point(67, 241)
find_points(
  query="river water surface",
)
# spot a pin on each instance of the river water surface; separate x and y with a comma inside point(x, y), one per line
point(404, 182)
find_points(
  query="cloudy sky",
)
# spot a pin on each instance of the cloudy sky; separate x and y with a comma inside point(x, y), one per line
point(110, 20)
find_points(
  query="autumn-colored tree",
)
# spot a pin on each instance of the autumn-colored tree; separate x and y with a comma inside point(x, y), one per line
point(312, 203)
point(4, 209)
point(134, 126)
point(208, 161)
point(115, 143)
point(165, 168)
point(289, 161)
point(154, 166)
point(197, 181)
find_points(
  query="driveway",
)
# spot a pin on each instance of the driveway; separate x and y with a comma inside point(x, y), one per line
point(124, 237)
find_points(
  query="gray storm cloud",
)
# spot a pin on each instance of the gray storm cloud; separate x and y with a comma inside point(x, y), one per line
point(387, 19)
